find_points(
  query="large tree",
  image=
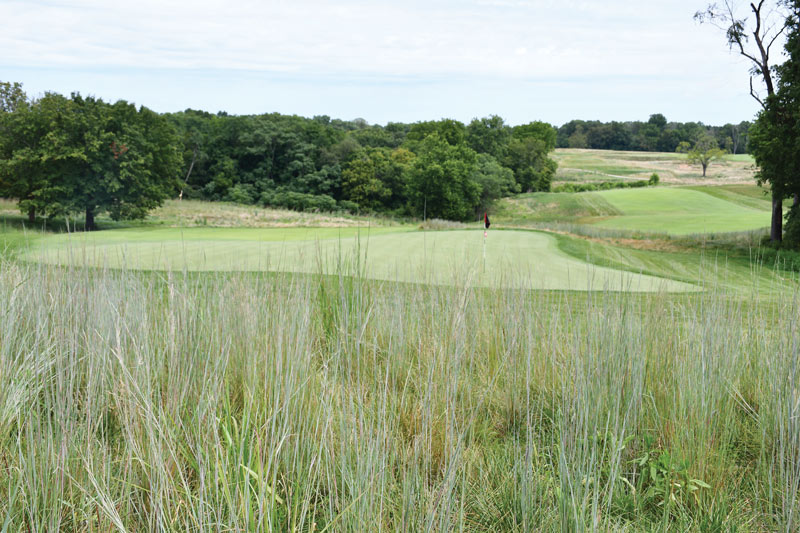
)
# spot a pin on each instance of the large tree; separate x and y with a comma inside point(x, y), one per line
point(376, 178)
point(83, 155)
point(489, 135)
point(775, 136)
point(35, 152)
point(441, 183)
point(129, 162)
point(752, 31)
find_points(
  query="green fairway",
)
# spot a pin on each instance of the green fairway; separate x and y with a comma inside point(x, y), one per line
point(680, 211)
point(513, 258)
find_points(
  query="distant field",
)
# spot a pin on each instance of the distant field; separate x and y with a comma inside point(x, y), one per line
point(513, 258)
point(577, 165)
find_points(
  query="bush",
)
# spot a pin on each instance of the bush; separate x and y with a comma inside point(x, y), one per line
point(241, 194)
point(654, 179)
point(603, 186)
point(350, 207)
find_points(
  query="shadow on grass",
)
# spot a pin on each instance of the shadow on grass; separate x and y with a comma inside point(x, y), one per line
point(20, 223)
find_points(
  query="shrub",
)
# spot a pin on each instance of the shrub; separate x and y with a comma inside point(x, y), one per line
point(350, 207)
point(603, 186)
point(241, 194)
point(654, 179)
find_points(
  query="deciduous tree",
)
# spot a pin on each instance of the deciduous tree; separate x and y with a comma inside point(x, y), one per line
point(441, 184)
point(775, 136)
point(704, 152)
point(753, 35)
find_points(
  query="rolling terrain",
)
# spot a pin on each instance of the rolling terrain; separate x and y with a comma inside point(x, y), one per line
point(621, 360)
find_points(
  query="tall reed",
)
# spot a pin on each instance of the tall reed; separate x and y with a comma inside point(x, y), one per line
point(136, 401)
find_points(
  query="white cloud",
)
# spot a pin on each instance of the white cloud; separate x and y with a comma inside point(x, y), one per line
point(491, 40)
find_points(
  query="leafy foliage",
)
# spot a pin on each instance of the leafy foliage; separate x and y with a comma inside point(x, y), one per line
point(655, 135)
point(82, 155)
point(775, 141)
point(441, 184)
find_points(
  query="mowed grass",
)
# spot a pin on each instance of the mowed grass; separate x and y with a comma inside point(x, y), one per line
point(659, 210)
point(522, 259)
point(680, 211)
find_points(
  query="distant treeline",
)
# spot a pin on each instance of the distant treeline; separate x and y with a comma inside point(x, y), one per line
point(655, 135)
point(443, 168)
point(61, 155)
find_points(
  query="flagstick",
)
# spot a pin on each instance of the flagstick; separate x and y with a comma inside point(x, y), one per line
point(485, 233)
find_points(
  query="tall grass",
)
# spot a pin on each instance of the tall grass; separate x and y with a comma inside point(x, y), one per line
point(135, 401)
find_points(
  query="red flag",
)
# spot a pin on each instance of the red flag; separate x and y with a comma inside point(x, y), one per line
point(486, 222)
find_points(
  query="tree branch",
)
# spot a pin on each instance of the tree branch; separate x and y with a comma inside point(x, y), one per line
point(754, 94)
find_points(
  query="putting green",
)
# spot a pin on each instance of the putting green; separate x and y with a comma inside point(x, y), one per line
point(513, 258)
point(679, 211)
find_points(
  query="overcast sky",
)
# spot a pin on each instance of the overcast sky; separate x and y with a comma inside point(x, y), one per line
point(401, 60)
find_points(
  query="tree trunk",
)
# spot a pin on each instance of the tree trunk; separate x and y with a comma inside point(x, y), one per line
point(31, 214)
point(705, 166)
point(89, 224)
point(776, 229)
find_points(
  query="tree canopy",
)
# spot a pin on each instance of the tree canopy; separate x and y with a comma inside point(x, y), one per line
point(82, 155)
point(775, 139)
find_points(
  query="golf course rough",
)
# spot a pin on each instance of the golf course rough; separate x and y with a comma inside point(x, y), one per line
point(513, 259)
point(679, 211)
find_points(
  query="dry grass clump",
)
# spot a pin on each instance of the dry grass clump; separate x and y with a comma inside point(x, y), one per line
point(223, 214)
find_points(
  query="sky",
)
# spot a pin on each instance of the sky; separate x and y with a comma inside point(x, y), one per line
point(383, 61)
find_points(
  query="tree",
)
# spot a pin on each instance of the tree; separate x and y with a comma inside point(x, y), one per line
point(360, 181)
point(12, 97)
point(658, 120)
point(441, 183)
point(451, 131)
point(775, 136)
point(489, 136)
point(537, 130)
point(533, 169)
point(765, 24)
point(34, 154)
point(704, 152)
point(113, 158)
point(495, 180)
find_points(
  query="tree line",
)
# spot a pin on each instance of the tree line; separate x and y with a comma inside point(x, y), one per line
point(443, 168)
point(80, 155)
point(655, 135)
